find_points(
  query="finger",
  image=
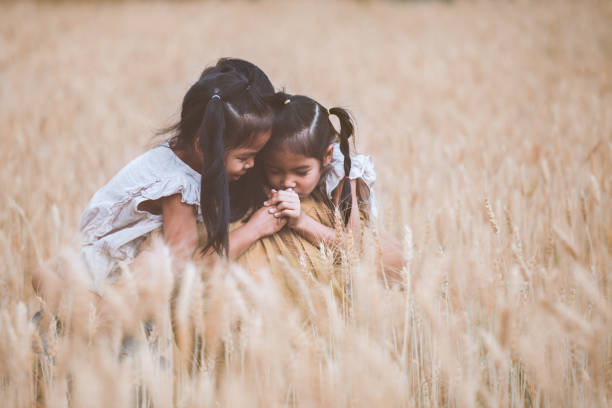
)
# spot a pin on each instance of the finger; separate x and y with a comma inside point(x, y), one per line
point(279, 198)
point(295, 195)
point(290, 213)
point(269, 192)
point(285, 206)
point(279, 219)
point(282, 215)
point(288, 195)
point(275, 199)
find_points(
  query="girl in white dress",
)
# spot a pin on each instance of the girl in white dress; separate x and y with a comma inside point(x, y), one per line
point(224, 123)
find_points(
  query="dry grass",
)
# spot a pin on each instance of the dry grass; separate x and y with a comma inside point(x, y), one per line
point(491, 128)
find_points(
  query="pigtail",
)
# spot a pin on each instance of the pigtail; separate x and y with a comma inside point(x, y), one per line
point(346, 131)
point(214, 195)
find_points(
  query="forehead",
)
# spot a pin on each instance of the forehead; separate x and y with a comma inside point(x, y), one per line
point(255, 144)
point(285, 159)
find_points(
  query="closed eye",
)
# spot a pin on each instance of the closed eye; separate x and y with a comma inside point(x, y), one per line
point(246, 157)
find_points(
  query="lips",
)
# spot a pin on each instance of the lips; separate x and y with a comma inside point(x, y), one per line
point(237, 176)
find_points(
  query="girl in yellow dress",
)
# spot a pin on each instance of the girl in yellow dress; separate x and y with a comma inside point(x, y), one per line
point(298, 166)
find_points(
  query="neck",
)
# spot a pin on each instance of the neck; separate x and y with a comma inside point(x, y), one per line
point(190, 158)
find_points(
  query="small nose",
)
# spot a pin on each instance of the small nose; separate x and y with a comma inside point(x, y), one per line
point(288, 182)
point(249, 163)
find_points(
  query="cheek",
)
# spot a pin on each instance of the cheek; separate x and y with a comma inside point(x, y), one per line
point(232, 165)
point(315, 177)
point(310, 181)
point(272, 178)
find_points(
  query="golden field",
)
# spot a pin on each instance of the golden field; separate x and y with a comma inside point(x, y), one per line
point(490, 124)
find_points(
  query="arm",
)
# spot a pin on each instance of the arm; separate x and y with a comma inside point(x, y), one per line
point(288, 206)
point(180, 228)
point(314, 231)
point(241, 239)
point(392, 257)
point(181, 232)
point(261, 224)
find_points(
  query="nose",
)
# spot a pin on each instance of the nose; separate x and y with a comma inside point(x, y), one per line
point(249, 163)
point(288, 182)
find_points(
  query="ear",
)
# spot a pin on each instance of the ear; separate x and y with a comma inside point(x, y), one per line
point(328, 155)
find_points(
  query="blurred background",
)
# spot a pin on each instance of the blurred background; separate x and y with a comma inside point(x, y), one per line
point(440, 91)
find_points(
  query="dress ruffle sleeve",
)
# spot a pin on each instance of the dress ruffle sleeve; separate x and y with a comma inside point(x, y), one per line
point(362, 167)
point(179, 184)
point(113, 225)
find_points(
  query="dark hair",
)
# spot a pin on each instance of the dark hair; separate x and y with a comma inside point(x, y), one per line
point(245, 194)
point(222, 110)
point(251, 72)
point(302, 125)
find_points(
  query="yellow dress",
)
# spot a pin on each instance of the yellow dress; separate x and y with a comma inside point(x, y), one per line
point(295, 264)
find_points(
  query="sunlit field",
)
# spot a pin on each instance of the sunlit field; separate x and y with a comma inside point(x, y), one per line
point(490, 125)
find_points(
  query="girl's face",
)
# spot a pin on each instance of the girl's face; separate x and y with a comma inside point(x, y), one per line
point(240, 159)
point(237, 160)
point(285, 169)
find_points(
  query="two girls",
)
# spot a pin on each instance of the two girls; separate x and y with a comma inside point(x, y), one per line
point(201, 175)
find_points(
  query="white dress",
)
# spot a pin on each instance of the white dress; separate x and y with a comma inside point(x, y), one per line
point(113, 227)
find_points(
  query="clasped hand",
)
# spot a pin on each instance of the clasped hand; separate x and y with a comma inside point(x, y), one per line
point(282, 208)
point(285, 204)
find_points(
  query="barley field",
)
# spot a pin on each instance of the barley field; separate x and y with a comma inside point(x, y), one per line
point(490, 125)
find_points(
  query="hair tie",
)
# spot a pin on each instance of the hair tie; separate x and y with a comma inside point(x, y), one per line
point(287, 101)
point(215, 96)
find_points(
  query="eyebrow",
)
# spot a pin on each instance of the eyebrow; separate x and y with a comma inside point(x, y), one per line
point(248, 152)
point(300, 168)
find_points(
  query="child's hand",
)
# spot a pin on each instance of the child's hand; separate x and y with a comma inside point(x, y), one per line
point(287, 204)
point(265, 223)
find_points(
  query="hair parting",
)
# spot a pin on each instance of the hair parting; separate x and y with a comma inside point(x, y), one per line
point(313, 125)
